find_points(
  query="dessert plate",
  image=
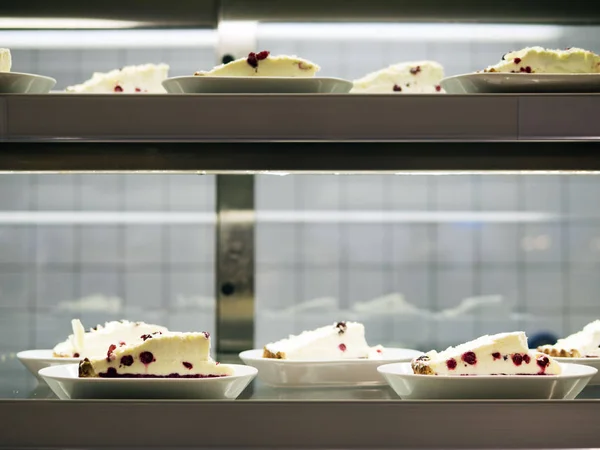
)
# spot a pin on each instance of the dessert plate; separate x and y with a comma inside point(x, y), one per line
point(35, 360)
point(410, 386)
point(66, 384)
point(256, 85)
point(519, 83)
point(25, 83)
point(591, 362)
point(334, 373)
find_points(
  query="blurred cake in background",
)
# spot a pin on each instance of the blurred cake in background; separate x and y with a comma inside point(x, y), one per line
point(541, 60)
point(146, 78)
point(422, 77)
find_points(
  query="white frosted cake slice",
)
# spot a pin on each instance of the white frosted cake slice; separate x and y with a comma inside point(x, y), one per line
point(262, 64)
point(499, 354)
point(541, 60)
point(342, 340)
point(583, 344)
point(5, 60)
point(160, 355)
point(95, 342)
point(145, 78)
point(421, 77)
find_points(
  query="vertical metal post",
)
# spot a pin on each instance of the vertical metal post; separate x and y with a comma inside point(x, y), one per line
point(235, 263)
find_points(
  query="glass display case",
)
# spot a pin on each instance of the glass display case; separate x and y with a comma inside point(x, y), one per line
point(432, 219)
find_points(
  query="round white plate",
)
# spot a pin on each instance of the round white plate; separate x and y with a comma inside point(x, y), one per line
point(521, 83)
point(66, 384)
point(592, 362)
point(410, 386)
point(25, 83)
point(256, 85)
point(337, 373)
point(35, 360)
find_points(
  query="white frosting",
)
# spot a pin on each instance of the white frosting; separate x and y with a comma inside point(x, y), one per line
point(496, 354)
point(145, 78)
point(541, 60)
point(585, 341)
point(96, 341)
point(5, 60)
point(271, 66)
point(325, 343)
point(169, 352)
point(419, 77)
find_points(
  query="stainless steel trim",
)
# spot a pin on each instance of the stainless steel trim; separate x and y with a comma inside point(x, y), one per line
point(235, 263)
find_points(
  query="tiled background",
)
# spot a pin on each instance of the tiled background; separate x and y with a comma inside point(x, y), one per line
point(542, 254)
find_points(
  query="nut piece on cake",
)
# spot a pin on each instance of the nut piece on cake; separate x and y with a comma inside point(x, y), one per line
point(583, 344)
point(541, 60)
point(499, 354)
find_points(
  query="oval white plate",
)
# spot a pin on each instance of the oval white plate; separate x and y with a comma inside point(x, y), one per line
point(410, 386)
point(256, 85)
point(334, 373)
point(35, 360)
point(591, 362)
point(519, 83)
point(66, 384)
point(25, 83)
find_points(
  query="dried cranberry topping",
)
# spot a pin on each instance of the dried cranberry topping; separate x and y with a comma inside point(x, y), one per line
point(438, 88)
point(415, 70)
point(543, 361)
point(252, 60)
point(127, 360)
point(526, 69)
point(111, 349)
point(75, 355)
point(526, 358)
point(397, 88)
point(146, 358)
point(187, 365)
point(517, 359)
point(118, 88)
point(206, 334)
point(341, 326)
point(262, 55)
point(122, 343)
point(111, 372)
point(517, 60)
point(145, 337)
point(451, 364)
point(379, 350)
point(469, 358)
point(138, 90)
point(342, 347)
point(496, 355)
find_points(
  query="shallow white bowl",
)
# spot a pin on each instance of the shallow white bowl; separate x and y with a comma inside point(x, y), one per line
point(334, 373)
point(256, 85)
point(519, 83)
point(25, 83)
point(592, 362)
point(66, 384)
point(410, 386)
point(35, 360)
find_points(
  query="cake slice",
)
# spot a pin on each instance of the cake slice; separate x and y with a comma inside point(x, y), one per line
point(5, 60)
point(541, 60)
point(499, 354)
point(342, 340)
point(583, 344)
point(160, 355)
point(145, 78)
point(262, 64)
point(421, 77)
point(95, 342)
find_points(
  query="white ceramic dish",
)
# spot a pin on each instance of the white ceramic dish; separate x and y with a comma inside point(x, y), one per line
point(35, 360)
point(519, 83)
point(410, 386)
point(66, 384)
point(25, 83)
point(592, 362)
point(338, 373)
point(256, 85)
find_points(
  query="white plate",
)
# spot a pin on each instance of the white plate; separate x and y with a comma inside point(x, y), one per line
point(25, 83)
point(66, 384)
point(519, 83)
point(256, 85)
point(410, 386)
point(35, 360)
point(338, 373)
point(592, 362)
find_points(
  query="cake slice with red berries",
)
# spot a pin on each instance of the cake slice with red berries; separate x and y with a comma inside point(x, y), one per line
point(499, 354)
point(263, 64)
point(5, 60)
point(583, 344)
point(421, 77)
point(542, 60)
point(145, 78)
point(159, 355)
point(342, 340)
